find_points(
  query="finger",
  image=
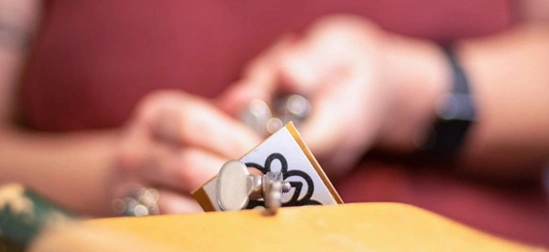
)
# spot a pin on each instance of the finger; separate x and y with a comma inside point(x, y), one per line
point(322, 129)
point(242, 93)
point(342, 130)
point(298, 72)
point(303, 67)
point(184, 170)
point(133, 149)
point(322, 52)
point(190, 121)
point(170, 202)
point(204, 126)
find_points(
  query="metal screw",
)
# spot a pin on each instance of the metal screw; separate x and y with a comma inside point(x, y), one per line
point(286, 187)
point(236, 187)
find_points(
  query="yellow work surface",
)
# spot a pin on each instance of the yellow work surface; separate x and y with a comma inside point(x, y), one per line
point(351, 227)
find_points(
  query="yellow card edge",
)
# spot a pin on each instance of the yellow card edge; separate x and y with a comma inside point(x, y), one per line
point(202, 198)
point(297, 137)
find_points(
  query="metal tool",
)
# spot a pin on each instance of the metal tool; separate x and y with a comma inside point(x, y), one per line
point(292, 108)
point(266, 120)
point(236, 187)
point(257, 115)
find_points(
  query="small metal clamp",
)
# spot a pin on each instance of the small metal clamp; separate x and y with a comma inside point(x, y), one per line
point(236, 187)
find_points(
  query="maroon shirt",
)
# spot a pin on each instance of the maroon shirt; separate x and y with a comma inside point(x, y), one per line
point(95, 59)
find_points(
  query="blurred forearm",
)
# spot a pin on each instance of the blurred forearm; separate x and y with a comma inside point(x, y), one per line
point(509, 79)
point(72, 169)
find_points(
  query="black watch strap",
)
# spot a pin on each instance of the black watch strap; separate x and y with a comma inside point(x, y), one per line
point(455, 114)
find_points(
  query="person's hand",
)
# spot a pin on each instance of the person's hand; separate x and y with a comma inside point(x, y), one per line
point(174, 143)
point(346, 66)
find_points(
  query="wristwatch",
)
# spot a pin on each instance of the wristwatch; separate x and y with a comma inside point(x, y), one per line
point(455, 114)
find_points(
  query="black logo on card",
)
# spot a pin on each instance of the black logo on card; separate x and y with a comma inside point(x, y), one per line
point(288, 175)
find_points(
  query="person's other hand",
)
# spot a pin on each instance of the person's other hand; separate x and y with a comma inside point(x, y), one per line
point(174, 143)
point(334, 65)
point(346, 66)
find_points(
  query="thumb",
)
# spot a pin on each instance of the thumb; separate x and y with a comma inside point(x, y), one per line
point(241, 94)
point(260, 78)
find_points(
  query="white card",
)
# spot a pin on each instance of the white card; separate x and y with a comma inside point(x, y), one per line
point(283, 151)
